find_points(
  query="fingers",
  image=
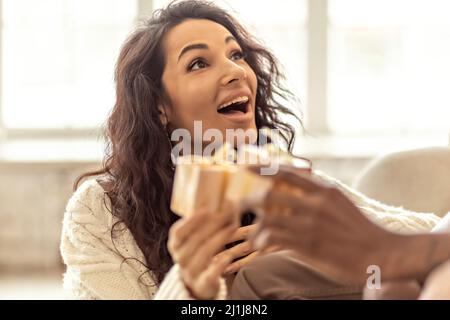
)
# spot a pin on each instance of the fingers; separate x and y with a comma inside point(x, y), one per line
point(237, 265)
point(299, 221)
point(302, 221)
point(277, 200)
point(208, 282)
point(185, 252)
point(203, 255)
point(289, 175)
point(186, 234)
point(238, 251)
point(193, 241)
point(229, 208)
point(308, 209)
point(181, 229)
point(270, 249)
point(271, 237)
point(242, 233)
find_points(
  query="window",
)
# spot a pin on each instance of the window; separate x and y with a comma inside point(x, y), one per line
point(282, 27)
point(58, 61)
point(389, 66)
point(358, 66)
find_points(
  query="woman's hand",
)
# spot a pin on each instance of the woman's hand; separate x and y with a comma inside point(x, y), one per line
point(324, 227)
point(242, 250)
point(193, 243)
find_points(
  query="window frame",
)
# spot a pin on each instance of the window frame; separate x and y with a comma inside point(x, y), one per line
point(317, 65)
point(143, 8)
point(316, 79)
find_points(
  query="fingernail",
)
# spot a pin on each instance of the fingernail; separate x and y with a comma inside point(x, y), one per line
point(229, 269)
point(261, 239)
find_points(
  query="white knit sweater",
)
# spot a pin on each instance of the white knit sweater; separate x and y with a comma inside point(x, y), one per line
point(96, 270)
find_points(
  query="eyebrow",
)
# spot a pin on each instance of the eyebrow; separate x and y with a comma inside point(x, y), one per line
point(201, 46)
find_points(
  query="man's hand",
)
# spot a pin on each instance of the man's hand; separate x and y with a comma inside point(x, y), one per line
point(324, 227)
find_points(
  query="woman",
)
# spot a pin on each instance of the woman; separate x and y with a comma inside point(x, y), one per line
point(189, 61)
point(186, 62)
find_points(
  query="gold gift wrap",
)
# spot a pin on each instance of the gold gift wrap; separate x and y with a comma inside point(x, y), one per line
point(207, 183)
point(199, 187)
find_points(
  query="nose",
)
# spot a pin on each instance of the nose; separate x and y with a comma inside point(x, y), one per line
point(232, 72)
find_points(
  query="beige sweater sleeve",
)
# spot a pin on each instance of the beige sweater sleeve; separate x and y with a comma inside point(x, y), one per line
point(392, 218)
point(172, 288)
point(96, 268)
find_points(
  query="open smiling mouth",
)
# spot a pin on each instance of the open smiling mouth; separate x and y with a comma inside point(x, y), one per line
point(241, 107)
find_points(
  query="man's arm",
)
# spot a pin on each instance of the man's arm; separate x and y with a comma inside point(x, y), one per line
point(329, 232)
point(415, 256)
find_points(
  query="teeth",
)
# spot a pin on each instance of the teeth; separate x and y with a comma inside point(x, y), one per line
point(238, 99)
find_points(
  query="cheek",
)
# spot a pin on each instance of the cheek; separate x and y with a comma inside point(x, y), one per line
point(195, 98)
point(189, 97)
point(252, 80)
point(192, 100)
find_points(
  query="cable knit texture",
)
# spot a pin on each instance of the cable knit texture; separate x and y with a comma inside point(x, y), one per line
point(392, 218)
point(96, 268)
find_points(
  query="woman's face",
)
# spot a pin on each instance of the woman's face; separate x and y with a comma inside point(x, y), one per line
point(205, 71)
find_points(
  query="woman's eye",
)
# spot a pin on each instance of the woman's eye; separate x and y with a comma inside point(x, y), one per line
point(237, 55)
point(197, 64)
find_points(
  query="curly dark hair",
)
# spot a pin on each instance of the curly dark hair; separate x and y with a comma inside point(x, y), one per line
point(137, 171)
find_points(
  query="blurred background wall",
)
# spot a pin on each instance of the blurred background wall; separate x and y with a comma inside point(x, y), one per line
point(372, 78)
